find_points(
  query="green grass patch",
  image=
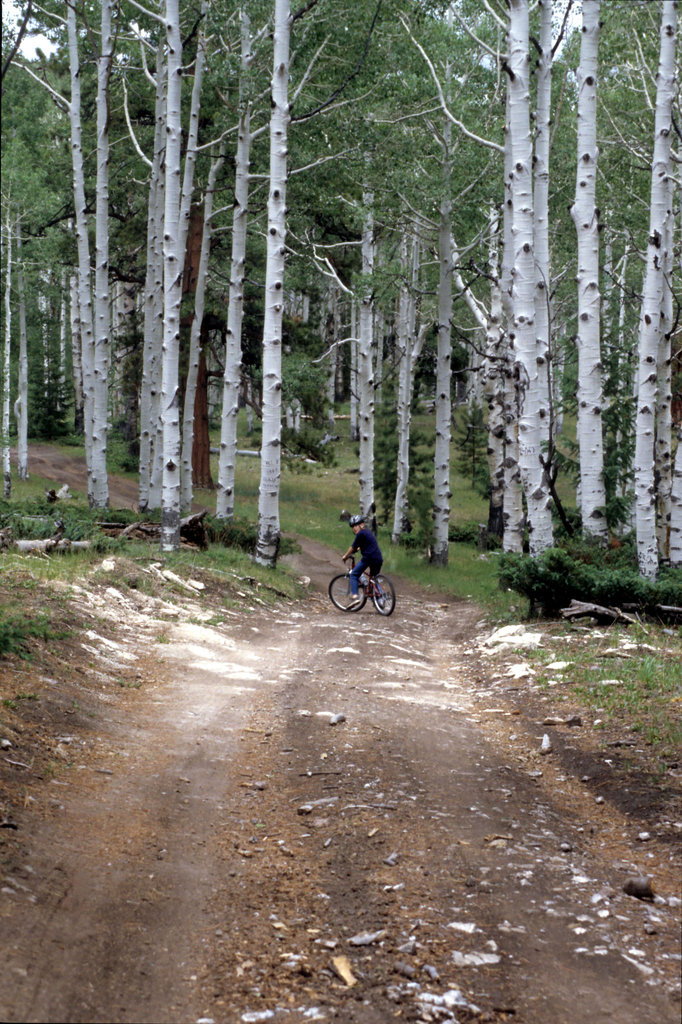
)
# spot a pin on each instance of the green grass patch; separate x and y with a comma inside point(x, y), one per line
point(17, 629)
point(629, 678)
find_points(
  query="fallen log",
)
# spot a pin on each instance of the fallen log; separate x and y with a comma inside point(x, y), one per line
point(605, 616)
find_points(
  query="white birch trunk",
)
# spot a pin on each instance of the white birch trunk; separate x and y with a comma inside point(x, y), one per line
point(353, 419)
point(365, 376)
point(513, 513)
point(192, 137)
point(102, 346)
point(4, 433)
point(664, 424)
point(493, 389)
point(63, 313)
point(531, 402)
point(585, 214)
point(235, 311)
point(187, 492)
point(267, 543)
point(76, 350)
point(541, 216)
point(624, 362)
point(676, 507)
point(173, 264)
point(650, 325)
point(83, 247)
point(21, 403)
point(331, 335)
point(441, 458)
point(405, 337)
point(150, 392)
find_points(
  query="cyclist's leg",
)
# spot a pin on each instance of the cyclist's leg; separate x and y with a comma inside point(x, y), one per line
point(375, 569)
point(355, 575)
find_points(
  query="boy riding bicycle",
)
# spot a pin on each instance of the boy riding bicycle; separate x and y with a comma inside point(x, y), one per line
point(370, 551)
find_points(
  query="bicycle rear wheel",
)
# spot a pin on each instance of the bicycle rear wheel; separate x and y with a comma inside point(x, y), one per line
point(383, 595)
point(341, 595)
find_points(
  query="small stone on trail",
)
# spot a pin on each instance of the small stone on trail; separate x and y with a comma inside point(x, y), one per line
point(474, 959)
point(566, 848)
point(639, 886)
point(546, 745)
point(392, 859)
point(335, 719)
point(644, 837)
point(574, 720)
point(407, 970)
point(367, 938)
point(431, 971)
point(341, 965)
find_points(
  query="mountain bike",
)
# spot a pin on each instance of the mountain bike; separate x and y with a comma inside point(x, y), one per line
point(379, 588)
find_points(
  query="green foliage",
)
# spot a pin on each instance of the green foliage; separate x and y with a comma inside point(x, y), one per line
point(38, 518)
point(305, 443)
point(471, 440)
point(16, 630)
point(557, 576)
point(47, 402)
point(420, 484)
point(122, 456)
point(234, 533)
point(241, 534)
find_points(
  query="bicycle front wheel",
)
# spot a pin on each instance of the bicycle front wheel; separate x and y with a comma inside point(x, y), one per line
point(383, 595)
point(341, 596)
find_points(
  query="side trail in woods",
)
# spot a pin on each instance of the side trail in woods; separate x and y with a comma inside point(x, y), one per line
point(299, 815)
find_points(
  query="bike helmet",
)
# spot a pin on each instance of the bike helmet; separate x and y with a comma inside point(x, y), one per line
point(356, 520)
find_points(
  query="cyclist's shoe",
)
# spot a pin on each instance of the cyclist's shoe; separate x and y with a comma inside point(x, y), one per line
point(355, 601)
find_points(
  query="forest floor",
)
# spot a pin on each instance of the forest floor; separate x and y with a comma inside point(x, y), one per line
point(295, 814)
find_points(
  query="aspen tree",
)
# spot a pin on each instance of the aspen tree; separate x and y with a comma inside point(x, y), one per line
point(235, 310)
point(532, 404)
point(675, 552)
point(173, 264)
point(150, 473)
point(354, 432)
point(650, 324)
point(4, 421)
point(541, 215)
point(21, 403)
point(493, 387)
point(76, 362)
point(83, 247)
point(441, 457)
point(586, 217)
point(365, 368)
point(664, 431)
point(102, 321)
point(195, 337)
point(410, 343)
point(267, 543)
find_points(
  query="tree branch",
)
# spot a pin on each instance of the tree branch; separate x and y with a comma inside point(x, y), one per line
point(351, 76)
point(446, 110)
point(20, 35)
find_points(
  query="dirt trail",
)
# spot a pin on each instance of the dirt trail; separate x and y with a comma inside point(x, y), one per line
point(220, 851)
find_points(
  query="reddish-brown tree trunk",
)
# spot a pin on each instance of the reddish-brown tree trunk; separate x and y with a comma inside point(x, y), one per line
point(201, 445)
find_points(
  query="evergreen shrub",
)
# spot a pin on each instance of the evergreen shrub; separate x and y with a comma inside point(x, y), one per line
point(16, 629)
point(557, 577)
point(241, 534)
